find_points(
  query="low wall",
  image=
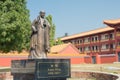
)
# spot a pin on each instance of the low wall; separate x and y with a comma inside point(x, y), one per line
point(6, 60)
point(94, 75)
point(77, 60)
point(107, 58)
point(87, 59)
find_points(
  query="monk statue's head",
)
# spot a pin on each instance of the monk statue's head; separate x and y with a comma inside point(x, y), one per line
point(42, 14)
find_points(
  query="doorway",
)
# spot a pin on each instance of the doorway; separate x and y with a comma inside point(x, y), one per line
point(118, 56)
point(94, 59)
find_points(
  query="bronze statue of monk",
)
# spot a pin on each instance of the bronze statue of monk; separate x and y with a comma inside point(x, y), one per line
point(39, 42)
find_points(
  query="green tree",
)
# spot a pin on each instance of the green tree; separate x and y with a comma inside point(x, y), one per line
point(52, 30)
point(59, 41)
point(14, 25)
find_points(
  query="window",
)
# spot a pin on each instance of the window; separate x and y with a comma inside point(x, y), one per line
point(99, 38)
point(73, 42)
point(80, 49)
point(118, 43)
point(106, 37)
point(88, 39)
point(88, 47)
point(77, 41)
point(96, 38)
point(85, 48)
point(111, 46)
point(96, 47)
point(92, 38)
point(93, 48)
point(111, 36)
point(85, 39)
point(103, 46)
point(81, 41)
point(107, 46)
point(102, 37)
point(118, 31)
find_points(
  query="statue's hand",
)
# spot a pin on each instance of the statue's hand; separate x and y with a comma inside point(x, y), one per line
point(44, 23)
point(34, 29)
point(48, 50)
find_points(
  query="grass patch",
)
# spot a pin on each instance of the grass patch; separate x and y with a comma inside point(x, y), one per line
point(5, 70)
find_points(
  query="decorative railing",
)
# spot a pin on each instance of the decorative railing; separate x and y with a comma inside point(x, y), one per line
point(95, 41)
point(102, 40)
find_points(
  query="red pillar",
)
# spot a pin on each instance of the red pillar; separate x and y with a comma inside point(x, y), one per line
point(116, 53)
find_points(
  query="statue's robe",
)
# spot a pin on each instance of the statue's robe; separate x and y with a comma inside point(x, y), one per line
point(39, 43)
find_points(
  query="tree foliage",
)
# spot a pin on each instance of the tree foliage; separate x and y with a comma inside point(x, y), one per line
point(59, 41)
point(14, 25)
point(52, 30)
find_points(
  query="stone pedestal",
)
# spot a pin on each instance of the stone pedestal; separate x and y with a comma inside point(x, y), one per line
point(41, 69)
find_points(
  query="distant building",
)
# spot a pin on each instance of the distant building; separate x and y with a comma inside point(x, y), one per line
point(102, 45)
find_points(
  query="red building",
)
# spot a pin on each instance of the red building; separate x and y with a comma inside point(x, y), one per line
point(59, 51)
point(102, 45)
point(68, 51)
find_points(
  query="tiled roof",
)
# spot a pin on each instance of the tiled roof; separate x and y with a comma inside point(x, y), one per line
point(55, 50)
point(15, 53)
point(58, 48)
point(100, 30)
point(116, 21)
point(65, 55)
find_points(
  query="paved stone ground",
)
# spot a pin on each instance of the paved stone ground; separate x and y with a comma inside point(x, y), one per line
point(109, 68)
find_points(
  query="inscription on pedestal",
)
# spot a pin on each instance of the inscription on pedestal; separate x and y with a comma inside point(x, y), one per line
point(45, 69)
point(53, 69)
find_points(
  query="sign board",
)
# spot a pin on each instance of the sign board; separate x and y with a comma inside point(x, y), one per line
point(53, 69)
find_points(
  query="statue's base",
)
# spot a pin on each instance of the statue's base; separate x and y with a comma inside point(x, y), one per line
point(41, 69)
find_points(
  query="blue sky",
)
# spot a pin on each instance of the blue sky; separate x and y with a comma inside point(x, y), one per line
point(75, 16)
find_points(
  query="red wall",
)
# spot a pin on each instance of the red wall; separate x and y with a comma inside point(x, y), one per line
point(6, 61)
point(107, 59)
point(87, 60)
point(77, 60)
point(74, 60)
